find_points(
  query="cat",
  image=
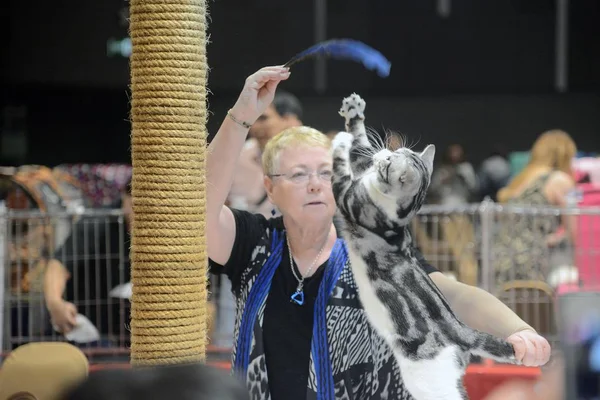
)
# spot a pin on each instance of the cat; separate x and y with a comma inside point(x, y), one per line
point(378, 192)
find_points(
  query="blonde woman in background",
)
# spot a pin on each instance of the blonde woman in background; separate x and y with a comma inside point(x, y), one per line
point(526, 245)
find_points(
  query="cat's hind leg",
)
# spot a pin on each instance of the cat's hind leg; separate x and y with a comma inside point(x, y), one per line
point(439, 378)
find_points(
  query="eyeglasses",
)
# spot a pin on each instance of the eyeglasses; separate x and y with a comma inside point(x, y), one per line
point(303, 177)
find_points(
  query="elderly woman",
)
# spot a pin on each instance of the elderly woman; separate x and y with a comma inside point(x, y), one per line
point(300, 329)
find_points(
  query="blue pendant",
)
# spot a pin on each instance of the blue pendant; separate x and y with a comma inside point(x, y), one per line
point(298, 298)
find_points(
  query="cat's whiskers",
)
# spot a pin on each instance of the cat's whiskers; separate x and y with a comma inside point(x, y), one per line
point(365, 151)
point(380, 144)
point(376, 140)
point(413, 144)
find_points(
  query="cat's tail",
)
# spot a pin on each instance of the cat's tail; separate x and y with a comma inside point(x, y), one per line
point(489, 346)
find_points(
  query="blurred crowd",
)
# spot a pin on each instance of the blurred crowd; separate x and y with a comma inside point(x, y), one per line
point(76, 268)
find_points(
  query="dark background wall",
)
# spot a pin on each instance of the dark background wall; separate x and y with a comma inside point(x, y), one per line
point(483, 75)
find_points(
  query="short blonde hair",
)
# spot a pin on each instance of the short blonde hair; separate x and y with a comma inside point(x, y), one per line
point(291, 137)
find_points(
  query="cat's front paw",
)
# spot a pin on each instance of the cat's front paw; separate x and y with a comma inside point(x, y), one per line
point(353, 106)
point(342, 141)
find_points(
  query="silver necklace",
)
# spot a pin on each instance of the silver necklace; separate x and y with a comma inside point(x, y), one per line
point(298, 296)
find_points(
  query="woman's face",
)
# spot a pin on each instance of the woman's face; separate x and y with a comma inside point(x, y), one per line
point(301, 185)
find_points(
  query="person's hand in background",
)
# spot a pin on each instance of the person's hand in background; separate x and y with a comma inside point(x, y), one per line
point(62, 315)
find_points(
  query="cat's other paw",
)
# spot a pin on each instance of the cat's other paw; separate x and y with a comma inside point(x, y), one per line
point(353, 106)
point(342, 141)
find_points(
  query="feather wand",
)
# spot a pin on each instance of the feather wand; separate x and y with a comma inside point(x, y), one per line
point(347, 49)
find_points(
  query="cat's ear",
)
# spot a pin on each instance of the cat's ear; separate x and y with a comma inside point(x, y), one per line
point(427, 156)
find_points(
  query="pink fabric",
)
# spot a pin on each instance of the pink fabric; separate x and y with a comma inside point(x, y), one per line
point(587, 247)
point(573, 287)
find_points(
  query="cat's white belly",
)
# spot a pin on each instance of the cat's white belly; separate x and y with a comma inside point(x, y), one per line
point(377, 314)
point(435, 379)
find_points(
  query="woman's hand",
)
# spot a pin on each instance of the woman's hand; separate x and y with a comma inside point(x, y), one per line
point(530, 348)
point(258, 93)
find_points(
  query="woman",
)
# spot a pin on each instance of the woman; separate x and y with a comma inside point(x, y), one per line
point(317, 344)
point(528, 246)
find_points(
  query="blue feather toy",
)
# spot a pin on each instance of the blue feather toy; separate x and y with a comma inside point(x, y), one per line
point(347, 49)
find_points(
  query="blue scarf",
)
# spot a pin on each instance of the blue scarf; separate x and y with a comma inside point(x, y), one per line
point(258, 295)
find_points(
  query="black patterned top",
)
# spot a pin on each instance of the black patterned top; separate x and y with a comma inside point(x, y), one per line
point(281, 364)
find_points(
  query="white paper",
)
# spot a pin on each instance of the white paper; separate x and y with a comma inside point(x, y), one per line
point(123, 291)
point(83, 332)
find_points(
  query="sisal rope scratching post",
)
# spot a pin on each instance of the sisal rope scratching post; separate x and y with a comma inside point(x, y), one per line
point(168, 247)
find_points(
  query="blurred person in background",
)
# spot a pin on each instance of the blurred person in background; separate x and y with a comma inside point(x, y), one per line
point(179, 382)
point(93, 260)
point(527, 247)
point(453, 183)
point(493, 173)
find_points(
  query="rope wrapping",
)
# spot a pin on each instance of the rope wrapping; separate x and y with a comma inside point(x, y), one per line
point(168, 246)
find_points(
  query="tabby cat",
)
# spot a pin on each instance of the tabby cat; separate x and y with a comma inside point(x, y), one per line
point(378, 192)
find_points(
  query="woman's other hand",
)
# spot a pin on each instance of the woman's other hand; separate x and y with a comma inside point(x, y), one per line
point(258, 93)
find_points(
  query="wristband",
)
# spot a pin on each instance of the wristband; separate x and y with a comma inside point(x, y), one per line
point(237, 121)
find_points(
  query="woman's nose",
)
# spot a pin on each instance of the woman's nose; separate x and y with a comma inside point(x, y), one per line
point(314, 183)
